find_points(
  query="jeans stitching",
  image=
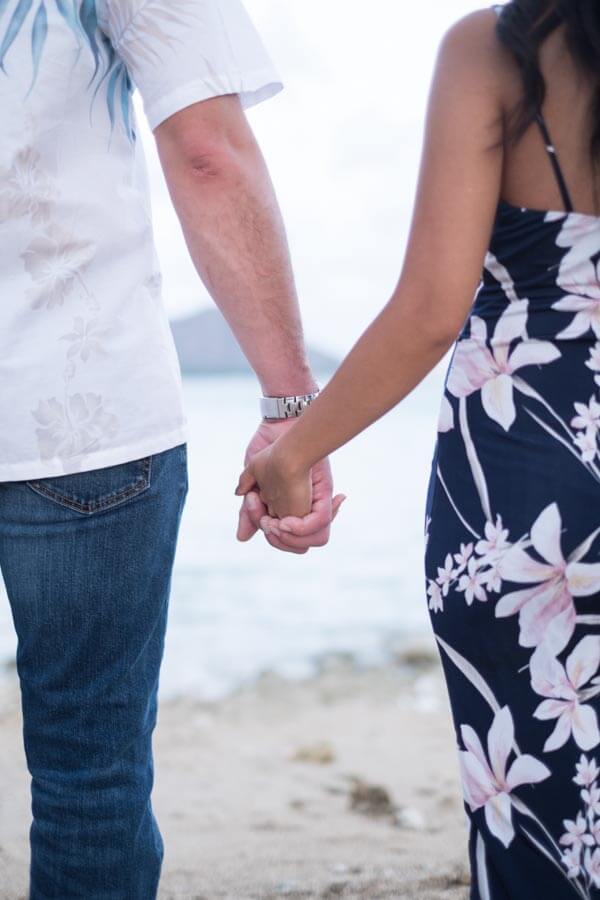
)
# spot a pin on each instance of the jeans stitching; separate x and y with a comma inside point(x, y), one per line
point(141, 484)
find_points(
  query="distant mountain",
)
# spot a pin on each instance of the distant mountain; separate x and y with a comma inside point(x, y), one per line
point(206, 345)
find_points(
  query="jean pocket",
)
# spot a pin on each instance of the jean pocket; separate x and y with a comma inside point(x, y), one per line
point(99, 489)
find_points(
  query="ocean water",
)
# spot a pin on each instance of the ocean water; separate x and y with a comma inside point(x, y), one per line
point(239, 610)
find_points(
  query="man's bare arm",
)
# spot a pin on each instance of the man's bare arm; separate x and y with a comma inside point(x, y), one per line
point(232, 224)
point(230, 217)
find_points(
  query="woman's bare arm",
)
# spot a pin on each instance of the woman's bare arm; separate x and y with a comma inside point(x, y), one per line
point(458, 192)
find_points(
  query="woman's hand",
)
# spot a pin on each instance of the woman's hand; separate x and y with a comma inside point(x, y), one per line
point(285, 490)
point(297, 534)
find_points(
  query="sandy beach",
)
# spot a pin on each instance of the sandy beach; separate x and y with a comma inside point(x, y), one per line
point(344, 785)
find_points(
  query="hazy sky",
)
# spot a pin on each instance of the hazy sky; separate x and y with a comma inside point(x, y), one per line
point(343, 144)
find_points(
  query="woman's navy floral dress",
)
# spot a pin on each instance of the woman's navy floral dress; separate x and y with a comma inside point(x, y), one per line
point(513, 557)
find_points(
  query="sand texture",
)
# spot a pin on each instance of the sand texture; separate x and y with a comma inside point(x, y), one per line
point(345, 785)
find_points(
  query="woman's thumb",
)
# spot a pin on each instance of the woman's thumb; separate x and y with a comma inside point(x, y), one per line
point(246, 483)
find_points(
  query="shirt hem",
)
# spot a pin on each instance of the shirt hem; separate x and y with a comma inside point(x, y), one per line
point(251, 87)
point(100, 459)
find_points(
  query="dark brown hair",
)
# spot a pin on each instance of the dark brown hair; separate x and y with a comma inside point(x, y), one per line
point(523, 26)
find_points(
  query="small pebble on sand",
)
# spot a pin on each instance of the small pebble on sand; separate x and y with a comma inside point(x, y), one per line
point(411, 819)
point(371, 799)
point(320, 754)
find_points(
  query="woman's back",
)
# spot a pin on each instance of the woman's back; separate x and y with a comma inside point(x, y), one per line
point(527, 178)
point(541, 246)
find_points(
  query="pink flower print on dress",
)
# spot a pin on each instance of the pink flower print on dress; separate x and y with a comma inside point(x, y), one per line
point(436, 599)
point(587, 771)
point(486, 781)
point(576, 834)
point(562, 686)
point(495, 543)
point(592, 865)
point(477, 368)
point(583, 299)
point(446, 416)
point(548, 603)
point(571, 860)
point(472, 583)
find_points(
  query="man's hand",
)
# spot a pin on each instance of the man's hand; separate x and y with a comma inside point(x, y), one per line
point(293, 535)
point(233, 227)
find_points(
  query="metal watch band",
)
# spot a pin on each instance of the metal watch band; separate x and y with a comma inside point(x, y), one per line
point(285, 407)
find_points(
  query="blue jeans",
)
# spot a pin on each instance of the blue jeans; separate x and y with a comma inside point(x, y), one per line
point(87, 561)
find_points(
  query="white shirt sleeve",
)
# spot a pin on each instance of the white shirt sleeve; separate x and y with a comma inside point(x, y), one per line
point(179, 52)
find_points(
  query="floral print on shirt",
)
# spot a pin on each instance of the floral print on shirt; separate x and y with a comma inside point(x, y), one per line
point(89, 369)
point(56, 260)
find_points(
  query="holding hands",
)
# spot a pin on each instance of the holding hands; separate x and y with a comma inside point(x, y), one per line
point(292, 505)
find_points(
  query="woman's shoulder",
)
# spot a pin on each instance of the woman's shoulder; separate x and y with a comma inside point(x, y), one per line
point(475, 32)
point(473, 42)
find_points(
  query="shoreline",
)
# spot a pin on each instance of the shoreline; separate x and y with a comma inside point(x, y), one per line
point(341, 785)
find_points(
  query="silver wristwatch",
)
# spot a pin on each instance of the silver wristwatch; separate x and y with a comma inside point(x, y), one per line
point(285, 407)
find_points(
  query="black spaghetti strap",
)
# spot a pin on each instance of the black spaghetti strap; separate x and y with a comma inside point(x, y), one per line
point(551, 150)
